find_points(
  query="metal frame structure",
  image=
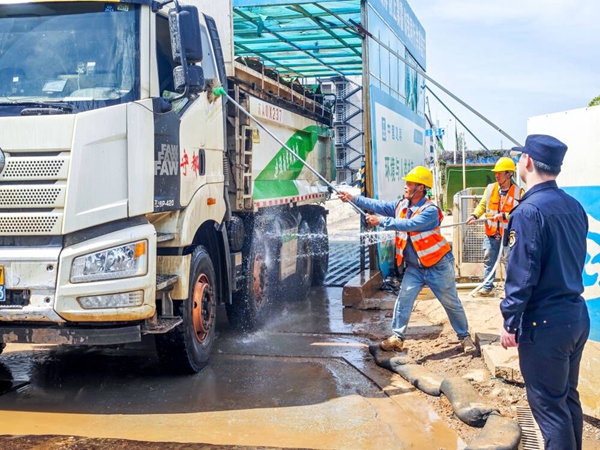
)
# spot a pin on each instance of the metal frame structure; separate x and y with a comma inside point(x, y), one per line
point(306, 40)
point(301, 39)
point(348, 124)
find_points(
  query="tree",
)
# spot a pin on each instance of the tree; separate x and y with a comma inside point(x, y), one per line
point(595, 101)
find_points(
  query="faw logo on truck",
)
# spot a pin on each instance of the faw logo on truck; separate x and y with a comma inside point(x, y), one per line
point(167, 160)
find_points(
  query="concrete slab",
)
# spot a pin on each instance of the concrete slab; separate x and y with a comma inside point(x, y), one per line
point(502, 363)
point(362, 286)
point(380, 300)
point(426, 294)
point(482, 339)
point(589, 383)
point(483, 313)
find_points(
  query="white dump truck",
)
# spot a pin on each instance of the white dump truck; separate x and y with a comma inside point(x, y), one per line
point(132, 200)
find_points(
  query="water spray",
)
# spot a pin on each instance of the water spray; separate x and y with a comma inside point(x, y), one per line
point(216, 90)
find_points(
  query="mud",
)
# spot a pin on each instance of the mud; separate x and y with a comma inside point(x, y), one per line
point(79, 443)
point(305, 381)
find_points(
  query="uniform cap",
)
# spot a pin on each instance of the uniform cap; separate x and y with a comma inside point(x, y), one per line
point(543, 148)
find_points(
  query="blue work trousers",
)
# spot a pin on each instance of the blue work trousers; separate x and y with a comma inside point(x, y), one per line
point(491, 249)
point(549, 360)
point(441, 280)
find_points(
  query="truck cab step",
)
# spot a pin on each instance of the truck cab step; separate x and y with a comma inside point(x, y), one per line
point(164, 237)
point(162, 325)
point(164, 281)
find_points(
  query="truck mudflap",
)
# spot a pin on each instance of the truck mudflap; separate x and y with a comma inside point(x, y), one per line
point(70, 336)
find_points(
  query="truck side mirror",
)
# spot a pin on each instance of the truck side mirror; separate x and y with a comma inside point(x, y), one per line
point(194, 79)
point(186, 43)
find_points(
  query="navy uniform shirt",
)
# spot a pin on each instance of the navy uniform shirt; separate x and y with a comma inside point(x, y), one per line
point(547, 238)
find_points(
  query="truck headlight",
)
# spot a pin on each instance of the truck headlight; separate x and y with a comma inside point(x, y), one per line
point(125, 261)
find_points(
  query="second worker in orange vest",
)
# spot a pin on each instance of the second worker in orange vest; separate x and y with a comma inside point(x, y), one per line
point(498, 200)
point(426, 254)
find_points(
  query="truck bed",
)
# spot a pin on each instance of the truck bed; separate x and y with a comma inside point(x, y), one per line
point(265, 84)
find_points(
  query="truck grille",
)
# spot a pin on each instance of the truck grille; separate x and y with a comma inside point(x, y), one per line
point(30, 223)
point(36, 168)
point(35, 188)
point(19, 197)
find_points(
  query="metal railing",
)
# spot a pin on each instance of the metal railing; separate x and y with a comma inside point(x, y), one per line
point(468, 239)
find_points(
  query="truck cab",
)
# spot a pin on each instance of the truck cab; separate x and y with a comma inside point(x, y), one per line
point(112, 174)
point(128, 204)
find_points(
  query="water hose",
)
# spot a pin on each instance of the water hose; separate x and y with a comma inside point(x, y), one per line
point(219, 91)
point(491, 274)
point(461, 223)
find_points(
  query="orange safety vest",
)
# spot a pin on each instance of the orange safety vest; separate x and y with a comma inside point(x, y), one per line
point(493, 207)
point(429, 245)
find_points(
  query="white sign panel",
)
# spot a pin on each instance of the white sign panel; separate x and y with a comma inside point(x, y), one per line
point(399, 146)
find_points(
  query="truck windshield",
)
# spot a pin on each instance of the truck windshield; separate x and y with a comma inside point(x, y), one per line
point(69, 56)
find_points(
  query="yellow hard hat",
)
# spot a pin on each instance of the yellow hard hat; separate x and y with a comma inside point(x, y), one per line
point(505, 164)
point(421, 175)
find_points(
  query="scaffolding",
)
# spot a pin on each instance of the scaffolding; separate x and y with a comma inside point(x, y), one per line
point(348, 126)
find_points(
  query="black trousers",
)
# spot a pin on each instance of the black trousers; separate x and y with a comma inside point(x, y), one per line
point(550, 359)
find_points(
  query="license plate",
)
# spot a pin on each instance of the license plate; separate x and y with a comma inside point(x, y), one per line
point(2, 287)
point(14, 299)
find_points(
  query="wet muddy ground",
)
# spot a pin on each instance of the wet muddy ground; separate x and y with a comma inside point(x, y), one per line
point(305, 381)
point(80, 443)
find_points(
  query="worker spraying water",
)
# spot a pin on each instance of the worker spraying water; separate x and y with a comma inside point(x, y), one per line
point(421, 248)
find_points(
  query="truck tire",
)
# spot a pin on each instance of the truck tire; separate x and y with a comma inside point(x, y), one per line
point(249, 306)
point(301, 281)
point(186, 349)
point(320, 249)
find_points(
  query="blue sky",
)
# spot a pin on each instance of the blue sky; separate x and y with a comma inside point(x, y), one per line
point(510, 60)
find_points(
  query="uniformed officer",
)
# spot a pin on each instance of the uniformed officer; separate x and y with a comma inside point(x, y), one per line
point(421, 246)
point(543, 309)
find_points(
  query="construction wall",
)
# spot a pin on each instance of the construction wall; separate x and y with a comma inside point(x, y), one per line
point(396, 101)
point(580, 130)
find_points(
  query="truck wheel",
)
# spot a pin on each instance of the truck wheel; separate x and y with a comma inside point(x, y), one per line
point(302, 280)
point(320, 249)
point(186, 349)
point(249, 306)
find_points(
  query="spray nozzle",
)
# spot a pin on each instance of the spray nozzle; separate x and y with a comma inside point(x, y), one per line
point(219, 91)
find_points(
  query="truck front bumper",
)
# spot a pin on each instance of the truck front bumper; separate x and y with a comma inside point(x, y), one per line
point(44, 273)
point(71, 336)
